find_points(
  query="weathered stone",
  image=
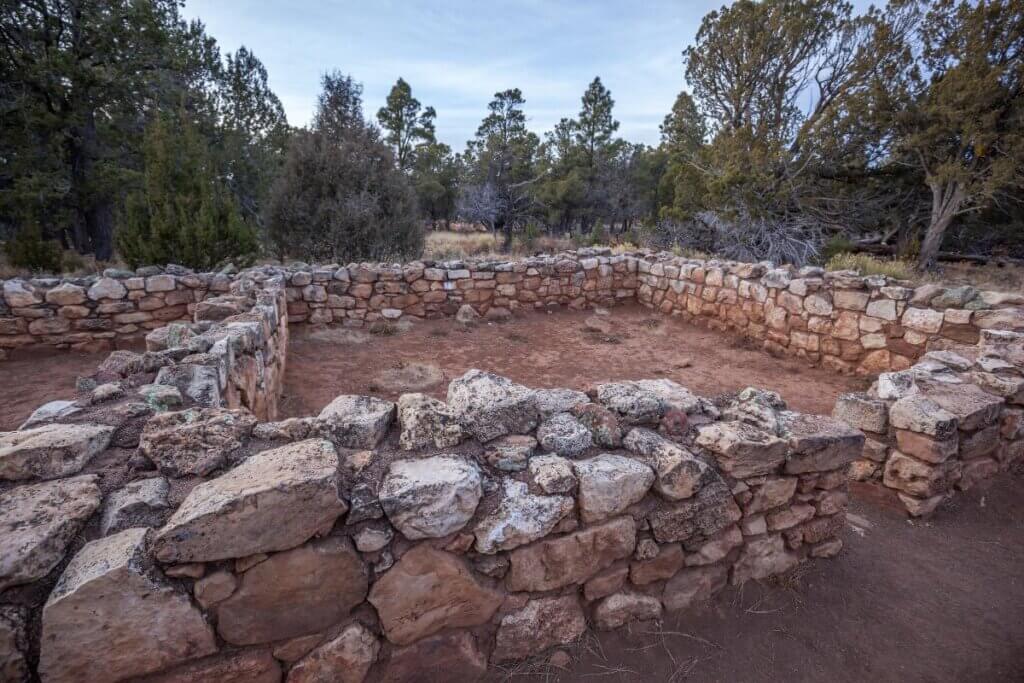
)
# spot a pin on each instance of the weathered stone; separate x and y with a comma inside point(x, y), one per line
point(775, 491)
point(862, 412)
point(520, 518)
point(489, 406)
point(295, 649)
point(785, 518)
point(608, 484)
point(973, 407)
point(20, 294)
point(273, 501)
point(430, 497)
point(297, 592)
point(201, 383)
point(345, 659)
point(564, 435)
point(107, 288)
point(743, 450)
point(763, 557)
point(691, 586)
point(541, 624)
point(912, 476)
point(467, 315)
point(646, 401)
point(666, 563)
point(573, 558)
point(425, 421)
point(918, 413)
point(111, 600)
point(356, 421)
point(605, 583)
point(141, 503)
point(13, 644)
point(245, 666)
point(51, 411)
point(553, 401)
point(926, 448)
point(979, 443)
point(553, 474)
point(50, 451)
point(679, 473)
point(510, 453)
point(818, 443)
point(195, 441)
point(602, 423)
point(711, 510)
point(918, 507)
point(716, 548)
point(896, 385)
point(214, 588)
point(976, 470)
point(160, 397)
point(922, 320)
point(373, 538)
point(38, 521)
point(621, 608)
point(452, 657)
point(428, 591)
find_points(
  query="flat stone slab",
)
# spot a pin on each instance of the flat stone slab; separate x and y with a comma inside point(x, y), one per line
point(357, 421)
point(111, 600)
point(646, 401)
point(818, 443)
point(430, 497)
point(195, 441)
point(743, 450)
point(273, 501)
point(38, 521)
point(488, 405)
point(50, 451)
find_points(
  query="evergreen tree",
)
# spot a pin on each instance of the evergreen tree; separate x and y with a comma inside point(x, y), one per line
point(407, 124)
point(184, 213)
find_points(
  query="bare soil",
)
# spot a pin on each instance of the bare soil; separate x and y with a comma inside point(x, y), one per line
point(936, 600)
point(31, 377)
point(544, 350)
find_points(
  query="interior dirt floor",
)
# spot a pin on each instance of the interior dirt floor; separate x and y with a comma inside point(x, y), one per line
point(31, 377)
point(544, 350)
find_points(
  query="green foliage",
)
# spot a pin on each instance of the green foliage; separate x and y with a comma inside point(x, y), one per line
point(407, 124)
point(340, 195)
point(184, 213)
point(28, 250)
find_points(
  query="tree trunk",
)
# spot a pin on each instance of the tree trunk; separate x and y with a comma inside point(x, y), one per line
point(946, 202)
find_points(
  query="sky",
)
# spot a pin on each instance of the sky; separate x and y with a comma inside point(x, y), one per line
point(457, 53)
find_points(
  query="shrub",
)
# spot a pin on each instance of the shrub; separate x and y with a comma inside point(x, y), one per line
point(866, 264)
point(184, 213)
point(341, 198)
point(28, 250)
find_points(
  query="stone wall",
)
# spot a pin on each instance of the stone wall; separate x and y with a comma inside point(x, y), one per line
point(395, 541)
point(953, 419)
point(847, 322)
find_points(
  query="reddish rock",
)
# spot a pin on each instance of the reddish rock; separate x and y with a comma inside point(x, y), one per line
point(543, 623)
point(622, 608)
point(247, 666)
point(668, 561)
point(453, 658)
point(345, 659)
point(691, 586)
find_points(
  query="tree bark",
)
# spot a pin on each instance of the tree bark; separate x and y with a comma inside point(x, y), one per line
point(946, 201)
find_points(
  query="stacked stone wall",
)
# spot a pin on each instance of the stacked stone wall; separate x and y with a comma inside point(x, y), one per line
point(952, 420)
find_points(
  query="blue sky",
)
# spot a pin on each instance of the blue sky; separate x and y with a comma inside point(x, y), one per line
point(456, 54)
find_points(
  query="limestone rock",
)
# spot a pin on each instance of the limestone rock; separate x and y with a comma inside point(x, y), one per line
point(13, 644)
point(430, 497)
point(510, 453)
point(294, 593)
point(608, 484)
point(621, 608)
point(710, 511)
point(553, 473)
point(520, 518)
point(245, 666)
point(691, 586)
point(201, 383)
point(553, 401)
point(862, 412)
point(50, 451)
point(160, 397)
point(717, 547)
point(912, 476)
point(452, 658)
point(564, 435)
point(111, 600)
point(195, 441)
point(467, 315)
point(973, 407)
point(51, 411)
point(763, 557)
point(774, 492)
point(818, 443)
point(573, 558)
point(743, 450)
point(107, 288)
point(918, 413)
point(357, 421)
point(20, 294)
point(679, 473)
point(273, 501)
point(141, 503)
point(426, 421)
point(427, 591)
point(646, 401)
point(488, 405)
point(602, 423)
point(38, 521)
point(541, 624)
point(345, 659)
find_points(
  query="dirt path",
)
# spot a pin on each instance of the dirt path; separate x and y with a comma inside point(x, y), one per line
point(905, 601)
point(30, 378)
point(544, 350)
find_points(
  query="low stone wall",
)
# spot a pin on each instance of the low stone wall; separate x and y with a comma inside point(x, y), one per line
point(393, 540)
point(953, 419)
point(846, 322)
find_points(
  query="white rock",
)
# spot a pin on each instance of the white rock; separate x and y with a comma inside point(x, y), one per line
point(553, 474)
point(430, 497)
point(107, 288)
point(425, 421)
point(357, 421)
point(565, 435)
point(489, 406)
point(50, 451)
point(520, 518)
point(608, 484)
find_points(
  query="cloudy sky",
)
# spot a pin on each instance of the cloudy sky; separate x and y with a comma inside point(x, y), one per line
point(457, 53)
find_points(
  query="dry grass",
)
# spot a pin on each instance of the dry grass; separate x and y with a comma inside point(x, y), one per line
point(442, 245)
point(866, 264)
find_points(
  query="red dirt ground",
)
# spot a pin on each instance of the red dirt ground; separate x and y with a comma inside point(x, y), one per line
point(30, 378)
point(547, 350)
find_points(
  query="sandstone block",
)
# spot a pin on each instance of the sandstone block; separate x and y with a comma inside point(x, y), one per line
point(664, 565)
point(924, 447)
point(917, 478)
point(918, 413)
point(541, 624)
point(862, 412)
point(345, 659)
point(141, 503)
point(50, 451)
point(679, 473)
point(818, 443)
point(608, 484)
point(711, 510)
point(621, 608)
point(743, 450)
point(357, 421)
